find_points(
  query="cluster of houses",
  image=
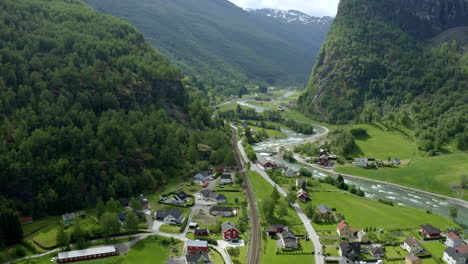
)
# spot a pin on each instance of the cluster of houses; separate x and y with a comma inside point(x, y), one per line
point(209, 195)
point(178, 198)
point(455, 253)
point(365, 162)
point(287, 238)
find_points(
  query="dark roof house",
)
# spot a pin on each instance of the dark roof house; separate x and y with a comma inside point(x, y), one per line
point(288, 239)
point(350, 250)
point(323, 209)
point(377, 252)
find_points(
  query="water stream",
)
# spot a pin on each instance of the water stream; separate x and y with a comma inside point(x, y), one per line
point(372, 190)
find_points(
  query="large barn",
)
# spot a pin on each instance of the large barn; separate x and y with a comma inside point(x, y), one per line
point(87, 254)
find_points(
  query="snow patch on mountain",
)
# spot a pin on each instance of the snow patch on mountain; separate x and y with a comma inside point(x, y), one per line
point(291, 16)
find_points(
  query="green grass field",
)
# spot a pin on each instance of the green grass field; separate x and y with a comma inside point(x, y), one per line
point(232, 196)
point(332, 251)
point(383, 143)
point(216, 257)
point(363, 212)
point(242, 258)
point(436, 248)
point(436, 174)
point(270, 132)
point(172, 229)
point(266, 104)
point(269, 254)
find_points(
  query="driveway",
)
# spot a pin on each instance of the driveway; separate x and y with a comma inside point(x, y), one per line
point(225, 244)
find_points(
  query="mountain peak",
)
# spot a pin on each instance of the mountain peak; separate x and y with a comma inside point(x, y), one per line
point(291, 16)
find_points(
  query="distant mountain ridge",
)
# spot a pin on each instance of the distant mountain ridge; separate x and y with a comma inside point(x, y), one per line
point(218, 39)
point(292, 16)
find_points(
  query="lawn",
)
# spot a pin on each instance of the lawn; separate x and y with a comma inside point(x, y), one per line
point(436, 174)
point(172, 229)
point(215, 257)
point(265, 104)
point(382, 143)
point(263, 190)
point(46, 236)
point(231, 197)
point(269, 255)
point(332, 251)
point(28, 228)
point(436, 248)
point(395, 252)
point(242, 258)
point(364, 212)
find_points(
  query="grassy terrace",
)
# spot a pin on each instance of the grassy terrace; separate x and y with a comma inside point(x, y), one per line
point(270, 132)
point(364, 212)
point(436, 174)
point(263, 190)
point(153, 250)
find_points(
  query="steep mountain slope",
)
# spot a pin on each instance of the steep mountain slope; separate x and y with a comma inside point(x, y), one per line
point(378, 64)
point(292, 16)
point(89, 109)
point(215, 37)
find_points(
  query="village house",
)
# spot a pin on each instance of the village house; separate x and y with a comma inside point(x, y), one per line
point(275, 229)
point(289, 172)
point(302, 195)
point(198, 258)
point(181, 196)
point(220, 170)
point(266, 164)
point(197, 246)
point(396, 161)
point(458, 255)
point(360, 162)
point(377, 252)
point(222, 211)
point(362, 237)
point(230, 231)
point(209, 195)
point(122, 217)
point(453, 240)
point(87, 254)
point(324, 210)
point(171, 217)
point(226, 178)
point(412, 259)
point(345, 230)
point(430, 231)
point(301, 183)
point(323, 160)
point(26, 220)
point(201, 232)
point(288, 240)
point(204, 176)
point(68, 219)
point(145, 205)
point(350, 250)
point(412, 246)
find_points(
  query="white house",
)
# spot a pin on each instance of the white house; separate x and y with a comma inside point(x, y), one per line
point(288, 172)
point(360, 162)
point(453, 240)
point(226, 178)
point(171, 217)
point(362, 236)
point(412, 246)
point(457, 255)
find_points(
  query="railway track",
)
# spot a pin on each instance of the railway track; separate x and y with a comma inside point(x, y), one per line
point(255, 242)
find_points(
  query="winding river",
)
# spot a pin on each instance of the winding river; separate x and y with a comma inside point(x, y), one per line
point(372, 190)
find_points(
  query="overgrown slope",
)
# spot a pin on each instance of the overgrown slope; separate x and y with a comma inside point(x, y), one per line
point(378, 64)
point(89, 109)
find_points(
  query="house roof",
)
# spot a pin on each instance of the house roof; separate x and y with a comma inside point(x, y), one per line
point(197, 243)
point(276, 227)
point(226, 176)
point(410, 241)
point(430, 229)
point(196, 257)
point(462, 248)
point(220, 197)
point(301, 180)
point(69, 216)
point(203, 230)
point(377, 251)
point(454, 253)
point(347, 246)
point(182, 195)
point(301, 192)
point(345, 260)
point(173, 212)
point(453, 236)
point(412, 257)
point(228, 225)
point(204, 174)
point(86, 252)
point(342, 225)
point(323, 209)
point(221, 208)
point(286, 234)
point(206, 192)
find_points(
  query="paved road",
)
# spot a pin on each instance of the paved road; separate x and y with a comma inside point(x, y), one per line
point(255, 242)
point(309, 228)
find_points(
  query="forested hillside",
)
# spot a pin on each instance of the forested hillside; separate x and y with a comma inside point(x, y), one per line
point(220, 42)
point(89, 109)
point(379, 63)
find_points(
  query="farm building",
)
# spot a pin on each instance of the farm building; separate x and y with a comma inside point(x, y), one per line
point(87, 254)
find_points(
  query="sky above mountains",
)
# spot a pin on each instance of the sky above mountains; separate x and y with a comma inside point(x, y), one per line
point(311, 7)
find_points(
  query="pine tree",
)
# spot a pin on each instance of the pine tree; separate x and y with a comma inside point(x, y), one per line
point(131, 223)
point(63, 240)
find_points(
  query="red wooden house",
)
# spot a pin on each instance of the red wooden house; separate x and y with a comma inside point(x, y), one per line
point(201, 232)
point(197, 246)
point(323, 161)
point(26, 220)
point(230, 231)
point(302, 195)
point(430, 231)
